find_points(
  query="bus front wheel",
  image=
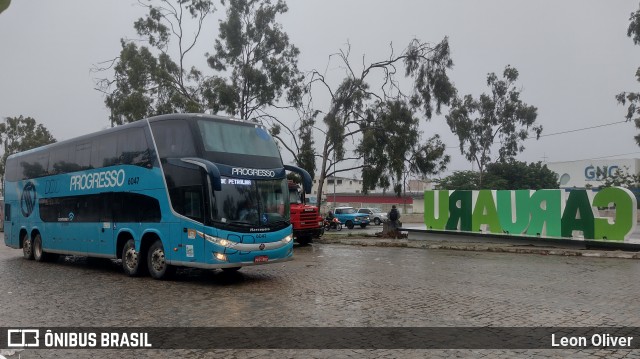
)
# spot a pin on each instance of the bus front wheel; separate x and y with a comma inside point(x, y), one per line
point(156, 261)
point(131, 261)
point(27, 247)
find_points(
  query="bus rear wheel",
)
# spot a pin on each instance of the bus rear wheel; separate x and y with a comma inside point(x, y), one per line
point(156, 261)
point(38, 253)
point(27, 247)
point(131, 261)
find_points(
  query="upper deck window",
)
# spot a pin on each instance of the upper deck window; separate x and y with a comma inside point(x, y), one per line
point(173, 139)
point(238, 139)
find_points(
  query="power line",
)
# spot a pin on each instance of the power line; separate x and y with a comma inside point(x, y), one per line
point(601, 157)
point(567, 131)
point(580, 129)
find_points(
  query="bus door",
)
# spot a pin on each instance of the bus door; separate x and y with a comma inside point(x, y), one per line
point(10, 239)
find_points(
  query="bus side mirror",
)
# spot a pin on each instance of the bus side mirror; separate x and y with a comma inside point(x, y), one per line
point(212, 171)
point(306, 177)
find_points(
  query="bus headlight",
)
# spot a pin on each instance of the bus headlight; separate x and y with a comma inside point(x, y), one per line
point(220, 256)
point(220, 241)
point(288, 238)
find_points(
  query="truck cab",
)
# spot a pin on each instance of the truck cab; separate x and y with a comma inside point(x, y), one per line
point(306, 220)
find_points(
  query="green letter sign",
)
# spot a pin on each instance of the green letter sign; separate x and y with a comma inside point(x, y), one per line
point(545, 213)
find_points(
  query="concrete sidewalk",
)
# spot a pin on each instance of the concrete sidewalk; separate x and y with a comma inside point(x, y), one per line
point(427, 240)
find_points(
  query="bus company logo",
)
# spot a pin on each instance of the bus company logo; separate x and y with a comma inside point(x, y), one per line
point(238, 171)
point(28, 199)
point(23, 338)
point(262, 246)
point(51, 186)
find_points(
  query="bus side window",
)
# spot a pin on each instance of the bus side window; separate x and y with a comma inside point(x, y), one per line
point(104, 151)
point(193, 204)
point(133, 148)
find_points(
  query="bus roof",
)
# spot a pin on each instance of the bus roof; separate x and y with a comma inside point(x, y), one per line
point(139, 123)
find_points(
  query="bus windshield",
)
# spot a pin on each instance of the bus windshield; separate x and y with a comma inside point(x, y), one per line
point(252, 202)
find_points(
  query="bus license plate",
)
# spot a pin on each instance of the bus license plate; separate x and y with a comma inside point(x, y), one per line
point(260, 259)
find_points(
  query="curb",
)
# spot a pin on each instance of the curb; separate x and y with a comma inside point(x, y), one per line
point(496, 248)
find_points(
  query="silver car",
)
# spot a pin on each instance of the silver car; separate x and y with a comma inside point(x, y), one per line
point(376, 215)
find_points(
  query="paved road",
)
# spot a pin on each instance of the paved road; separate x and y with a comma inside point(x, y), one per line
point(329, 285)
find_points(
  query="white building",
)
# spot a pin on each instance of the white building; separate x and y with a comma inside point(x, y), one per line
point(580, 174)
point(354, 186)
point(341, 185)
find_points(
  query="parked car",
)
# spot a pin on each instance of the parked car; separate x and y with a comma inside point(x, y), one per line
point(376, 215)
point(350, 217)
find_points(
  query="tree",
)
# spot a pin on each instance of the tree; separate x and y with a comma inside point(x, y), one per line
point(626, 179)
point(633, 98)
point(4, 4)
point(520, 175)
point(391, 148)
point(19, 134)
point(148, 80)
point(509, 175)
point(298, 141)
point(463, 180)
point(499, 116)
point(622, 178)
point(262, 63)
point(355, 106)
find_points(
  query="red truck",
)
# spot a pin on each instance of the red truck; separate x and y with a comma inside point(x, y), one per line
point(306, 220)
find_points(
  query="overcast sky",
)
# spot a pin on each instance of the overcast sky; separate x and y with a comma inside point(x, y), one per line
point(573, 58)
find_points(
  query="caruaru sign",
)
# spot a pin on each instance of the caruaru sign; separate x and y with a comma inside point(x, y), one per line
point(544, 213)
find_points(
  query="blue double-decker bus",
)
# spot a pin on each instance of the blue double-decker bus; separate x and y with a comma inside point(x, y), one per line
point(186, 190)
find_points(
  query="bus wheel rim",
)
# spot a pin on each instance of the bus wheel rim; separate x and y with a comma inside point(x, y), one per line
point(131, 258)
point(157, 260)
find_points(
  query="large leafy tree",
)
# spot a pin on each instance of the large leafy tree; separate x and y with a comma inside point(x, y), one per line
point(359, 113)
point(19, 134)
point(261, 63)
point(298, 140)
point(509, 175)
point(392, 150)
point(500, 116)
point(464, 180)
point(633, 98)
point(522, 175)
point(156, 79)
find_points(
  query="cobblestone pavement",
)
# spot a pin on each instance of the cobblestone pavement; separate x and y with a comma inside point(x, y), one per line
point(329, 285)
